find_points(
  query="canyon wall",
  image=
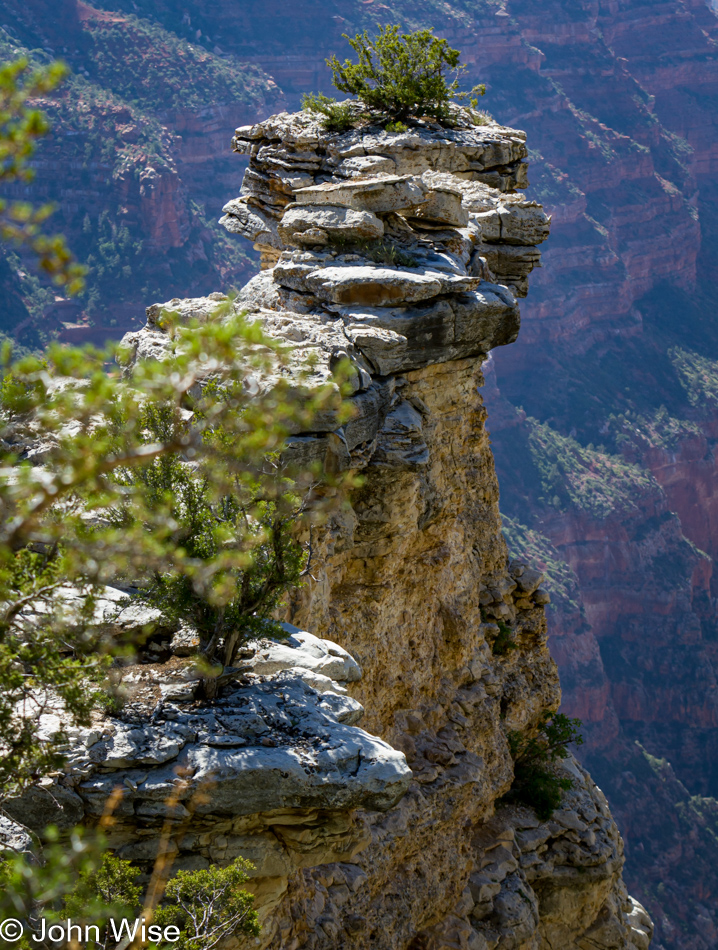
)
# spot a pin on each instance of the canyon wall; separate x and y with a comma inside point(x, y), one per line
point(136, 165)
point(603, 412)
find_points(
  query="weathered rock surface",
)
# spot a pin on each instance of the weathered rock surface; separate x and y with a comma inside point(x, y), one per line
point(426, 178)
point(399, 841)
point(276, 744)
point(274, 770)
point(316, 225)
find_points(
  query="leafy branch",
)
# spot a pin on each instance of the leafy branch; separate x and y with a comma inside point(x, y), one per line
point(21, 126)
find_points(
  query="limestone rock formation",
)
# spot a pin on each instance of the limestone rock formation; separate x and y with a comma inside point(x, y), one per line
point(405, 254)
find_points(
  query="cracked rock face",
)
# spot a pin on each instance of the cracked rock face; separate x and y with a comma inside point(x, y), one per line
point(275, 769)
point(404, 254)
point(268, 745)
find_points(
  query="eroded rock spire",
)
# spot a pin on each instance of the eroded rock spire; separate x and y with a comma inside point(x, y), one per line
point(405, 254)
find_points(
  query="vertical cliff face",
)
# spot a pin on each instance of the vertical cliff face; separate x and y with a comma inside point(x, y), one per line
point(404, 254)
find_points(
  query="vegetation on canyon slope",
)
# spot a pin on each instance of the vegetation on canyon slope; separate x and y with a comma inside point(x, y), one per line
point(554, 471)
point(155, 70)
point(111, 119)
point(593, 481)
point(561, 581)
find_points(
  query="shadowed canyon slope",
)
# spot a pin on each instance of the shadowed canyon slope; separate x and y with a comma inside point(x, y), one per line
point(604, 414)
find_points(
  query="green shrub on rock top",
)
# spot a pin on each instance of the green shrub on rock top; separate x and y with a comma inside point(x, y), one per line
point(338, 116)
point(398, 76)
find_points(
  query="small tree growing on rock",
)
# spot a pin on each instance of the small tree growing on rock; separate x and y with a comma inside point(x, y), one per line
point(398, 76)
point(240, 544)
point(536, 782)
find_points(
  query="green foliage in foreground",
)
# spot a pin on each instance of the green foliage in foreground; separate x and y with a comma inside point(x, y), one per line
point(109, 888)
point(536, 782)
point(20, 128)
point(397, 76)
point(79, 880)
point(209, 906)
point(27, 886)
point(94, 513)
point(70, 878)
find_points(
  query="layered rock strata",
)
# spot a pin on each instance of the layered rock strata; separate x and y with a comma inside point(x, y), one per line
point(403, 254)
